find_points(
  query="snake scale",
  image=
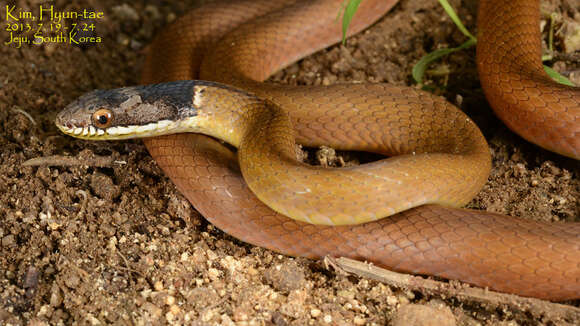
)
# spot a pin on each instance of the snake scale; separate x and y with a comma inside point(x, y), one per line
point(438, 158)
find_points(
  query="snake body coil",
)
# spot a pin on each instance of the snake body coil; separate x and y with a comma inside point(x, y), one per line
point(438, 154)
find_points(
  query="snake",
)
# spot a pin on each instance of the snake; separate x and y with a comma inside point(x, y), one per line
point(227, 139)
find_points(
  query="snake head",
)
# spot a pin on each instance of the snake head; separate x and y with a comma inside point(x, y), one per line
point(129, 112)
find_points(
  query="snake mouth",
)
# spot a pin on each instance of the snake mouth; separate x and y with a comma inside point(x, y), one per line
point(153, 129)
point(89, 132)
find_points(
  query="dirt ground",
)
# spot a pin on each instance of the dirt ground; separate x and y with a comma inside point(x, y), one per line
point(109, 240)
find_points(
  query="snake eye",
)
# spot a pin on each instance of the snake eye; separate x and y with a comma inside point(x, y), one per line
point(102, 118)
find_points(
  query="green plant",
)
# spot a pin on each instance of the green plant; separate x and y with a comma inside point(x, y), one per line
point(420, 67)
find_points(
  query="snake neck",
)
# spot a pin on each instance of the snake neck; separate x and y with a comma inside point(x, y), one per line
point(232, 116)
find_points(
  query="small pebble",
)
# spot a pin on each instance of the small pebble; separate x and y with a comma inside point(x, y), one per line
point(125, 12)
point(423, 315)
point(72, 281)
point(358, 320)
point(286, 277)
point(392, 300)
point(315, 312)
point(8, 241)
point(175, 310)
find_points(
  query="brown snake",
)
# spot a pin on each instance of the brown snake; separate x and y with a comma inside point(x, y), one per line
point(486, 249)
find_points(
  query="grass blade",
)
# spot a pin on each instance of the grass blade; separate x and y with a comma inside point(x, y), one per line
point(451, 13)
point(421, 66)
point(349, 12)
point(557, 77)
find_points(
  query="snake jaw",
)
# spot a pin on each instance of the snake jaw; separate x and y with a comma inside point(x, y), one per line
point(89, 132)
point(159, 128)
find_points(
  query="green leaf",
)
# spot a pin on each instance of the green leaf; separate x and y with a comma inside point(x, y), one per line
point(349, 12)
point(557, 77)
point(451, 13)
point(421, 66)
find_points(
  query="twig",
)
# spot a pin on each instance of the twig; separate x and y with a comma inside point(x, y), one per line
point(26, 114)
point(127, 266)
point(485, 297)
point(59, 160)
point(570, 57)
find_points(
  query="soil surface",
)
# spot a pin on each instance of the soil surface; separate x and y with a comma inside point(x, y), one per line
point(105, 238)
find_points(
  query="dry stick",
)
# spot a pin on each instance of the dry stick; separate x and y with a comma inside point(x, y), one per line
point(571, 57)
point(26, 114)
point(485, 297)
point(58, 160)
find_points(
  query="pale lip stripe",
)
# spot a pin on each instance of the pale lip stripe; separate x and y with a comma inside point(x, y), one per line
point(151, 129)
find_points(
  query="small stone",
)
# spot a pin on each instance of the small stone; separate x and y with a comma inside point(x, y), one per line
point(175, 310)
point(278, 319)
point(562, 201)
point(423, 315)
point(102, 185)
point(44, 311)
point(72, 281)
point(8, 241)
point(92, 320)
point(125, 12)
point(294, 307)
point(285, 277)
point(207, 315)
point(315, 312)
point(55, 296)
point(154, 311)
point(240, 314)
point(358, 320)
point(35, 322)
point(346, 294)
point(392, 300)
point(327, 319)
point(226, 320)
point(213, 274)
point(571, 40)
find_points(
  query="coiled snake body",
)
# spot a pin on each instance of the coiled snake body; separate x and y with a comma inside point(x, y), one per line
point(438, 157)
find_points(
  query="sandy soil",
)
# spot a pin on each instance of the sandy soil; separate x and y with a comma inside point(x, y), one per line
point(109, 240)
